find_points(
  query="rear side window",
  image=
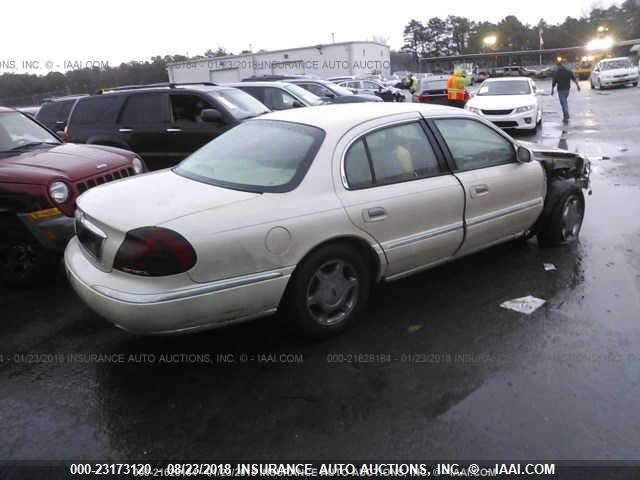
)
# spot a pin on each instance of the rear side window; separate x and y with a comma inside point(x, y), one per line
point(143, 109)
point(473, 145)
point(390, 155)
point(98, 109)
point(49, 112)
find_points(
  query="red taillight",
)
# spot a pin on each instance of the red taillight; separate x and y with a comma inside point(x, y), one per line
point(424, 97)
point(466, 95)
point(66, 133)
point(154, 252)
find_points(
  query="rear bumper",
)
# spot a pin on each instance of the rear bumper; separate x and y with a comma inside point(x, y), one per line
point(53, 233)
point(153, 308)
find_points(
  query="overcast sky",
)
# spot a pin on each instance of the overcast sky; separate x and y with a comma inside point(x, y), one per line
point(119, 30)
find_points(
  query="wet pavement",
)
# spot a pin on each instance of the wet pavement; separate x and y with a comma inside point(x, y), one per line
point(436, 369)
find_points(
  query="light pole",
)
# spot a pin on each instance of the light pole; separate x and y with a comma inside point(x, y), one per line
point(489, 42)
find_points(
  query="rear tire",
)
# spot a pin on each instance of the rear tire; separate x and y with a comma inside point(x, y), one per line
point(635, 84)
point(327, 291)
point(24, 263)
point(561, 226)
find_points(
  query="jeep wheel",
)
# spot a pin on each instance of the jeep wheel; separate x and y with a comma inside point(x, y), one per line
point(24, 264)
point(562, 226)
point(327, 292)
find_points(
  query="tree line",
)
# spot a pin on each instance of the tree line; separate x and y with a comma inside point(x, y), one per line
point(456, 35)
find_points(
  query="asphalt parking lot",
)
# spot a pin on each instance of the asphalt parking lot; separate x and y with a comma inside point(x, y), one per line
point(435, 369)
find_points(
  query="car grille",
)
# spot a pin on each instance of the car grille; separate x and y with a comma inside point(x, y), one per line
point(104, 178)
point(497, 112)
point(506, 124)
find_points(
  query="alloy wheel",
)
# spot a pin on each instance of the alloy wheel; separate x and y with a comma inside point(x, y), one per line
point(572, 213)
point(332, 292)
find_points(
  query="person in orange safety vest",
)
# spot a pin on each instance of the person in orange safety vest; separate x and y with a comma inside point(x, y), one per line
point(456, 88)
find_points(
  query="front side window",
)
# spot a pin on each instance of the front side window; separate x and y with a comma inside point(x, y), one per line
point(257, 156)
point(391, 155)
point(188, 108)
point(474, 145)
point(278, 99)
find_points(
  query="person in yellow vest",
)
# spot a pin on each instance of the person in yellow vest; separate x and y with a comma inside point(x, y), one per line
point(456, 87)
point(413, 83)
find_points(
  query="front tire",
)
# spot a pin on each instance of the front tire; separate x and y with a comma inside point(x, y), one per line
point(562, 225)
point(327, 292)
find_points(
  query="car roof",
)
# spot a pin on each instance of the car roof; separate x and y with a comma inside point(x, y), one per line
point(505, 79)
point(257, 84)
point(6, 109)
point(346, 116)
point(66, 97)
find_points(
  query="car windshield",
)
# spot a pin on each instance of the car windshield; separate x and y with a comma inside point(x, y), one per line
point(308, 97)
point(613, 64)
point(513, 87)
point(17, 131)
point(256, 156)
point(337, 89)
point(240, 104)
point(434, 84)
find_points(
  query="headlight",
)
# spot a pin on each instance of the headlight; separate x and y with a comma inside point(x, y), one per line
point(59, 192)
point(474, 110)
point(137, 165)
point(526, 108)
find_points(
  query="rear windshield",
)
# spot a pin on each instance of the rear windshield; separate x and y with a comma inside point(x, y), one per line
point(256, 156)
point(98, 109)
point(511, 87)
point(613, 64)
point(434, 84)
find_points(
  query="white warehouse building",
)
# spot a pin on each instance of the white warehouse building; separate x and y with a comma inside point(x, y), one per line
point(324, 61)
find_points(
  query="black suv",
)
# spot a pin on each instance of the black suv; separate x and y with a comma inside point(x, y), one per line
point(163, 123)
point(54, 112)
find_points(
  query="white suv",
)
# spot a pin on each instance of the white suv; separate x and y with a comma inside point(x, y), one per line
point(612, 72)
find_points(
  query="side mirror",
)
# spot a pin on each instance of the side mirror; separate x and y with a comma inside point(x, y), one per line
point(296, 104)
point(523, 154)
point(330, 95)
point(211, 115)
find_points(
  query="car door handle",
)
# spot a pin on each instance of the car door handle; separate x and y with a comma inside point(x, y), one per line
point(374, 214)
point(125, 130)
point(479, 190)
point(173, 130)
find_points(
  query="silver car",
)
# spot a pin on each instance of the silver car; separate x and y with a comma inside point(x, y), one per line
point(304, 210)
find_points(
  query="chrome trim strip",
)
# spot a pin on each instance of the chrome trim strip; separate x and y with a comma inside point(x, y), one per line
point(146, 298)
point(415, 238)
point(504, 212)
point(91, 227)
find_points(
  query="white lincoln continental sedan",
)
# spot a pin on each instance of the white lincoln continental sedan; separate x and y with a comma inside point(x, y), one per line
point(303, 211)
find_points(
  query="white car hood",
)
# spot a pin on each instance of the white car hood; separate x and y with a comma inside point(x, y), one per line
point(500, 102)
point(153, 199)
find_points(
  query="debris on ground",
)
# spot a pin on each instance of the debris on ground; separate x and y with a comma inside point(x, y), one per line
point(526, 305)
point(548, 267)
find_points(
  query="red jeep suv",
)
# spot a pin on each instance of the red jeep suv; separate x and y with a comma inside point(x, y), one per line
point(40, 179)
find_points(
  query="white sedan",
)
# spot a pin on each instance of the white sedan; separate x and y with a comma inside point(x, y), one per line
point(508, 102)
point(612, 72)
point(302, 211)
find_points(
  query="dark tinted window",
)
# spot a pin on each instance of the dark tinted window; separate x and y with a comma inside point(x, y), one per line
point(356, 165)
point(98, 109)
point(474, 145)
point(49, 112)
point(397, 154)
point(145, 108)
point(188, 108)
